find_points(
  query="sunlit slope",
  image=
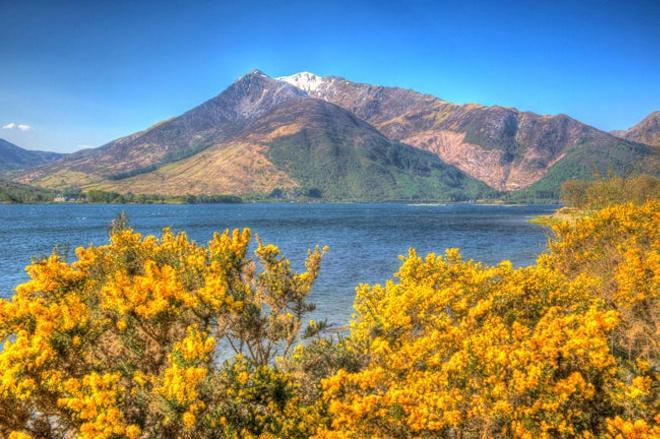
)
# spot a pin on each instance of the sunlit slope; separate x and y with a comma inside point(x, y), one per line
point(334, 139)
point(504, 147)
point(236, 168)
point(309, 147)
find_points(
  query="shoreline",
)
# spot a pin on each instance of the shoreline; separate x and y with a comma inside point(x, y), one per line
point(421, 203)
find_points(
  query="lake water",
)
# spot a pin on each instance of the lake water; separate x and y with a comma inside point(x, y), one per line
point(364, 239)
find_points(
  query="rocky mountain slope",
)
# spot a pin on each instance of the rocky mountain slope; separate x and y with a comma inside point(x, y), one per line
point(647, 131)
point(15, 158)
point(215, 121)
point(341, 140)
point(257, 136)
point(506, 148)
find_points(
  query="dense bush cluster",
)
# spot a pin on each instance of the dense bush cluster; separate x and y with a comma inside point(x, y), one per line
point(602, 192)
point(160, 337)
point(567, 347)
point(132, 340)
point(97, 196)
point(19, 193)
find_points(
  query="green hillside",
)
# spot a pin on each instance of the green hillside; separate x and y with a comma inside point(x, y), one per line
point(21, 193)
point(335, 166)
point(591, 160)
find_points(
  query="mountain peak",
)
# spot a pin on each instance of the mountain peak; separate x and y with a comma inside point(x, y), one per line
point(647, 131)
point(254, 73)
point(306, 81)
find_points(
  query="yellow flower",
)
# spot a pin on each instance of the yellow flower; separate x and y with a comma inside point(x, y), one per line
point(189, 420)
point(454, 347)
point(133, 431)
point(242, 377)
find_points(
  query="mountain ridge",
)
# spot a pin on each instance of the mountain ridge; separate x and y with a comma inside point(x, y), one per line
point(243, 130)
point(505, 147)
point(187, 133)
point(646, 131)
point(240, 141)
point(14, 158)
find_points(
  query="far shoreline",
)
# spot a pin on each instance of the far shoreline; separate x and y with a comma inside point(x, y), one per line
point(420, 203)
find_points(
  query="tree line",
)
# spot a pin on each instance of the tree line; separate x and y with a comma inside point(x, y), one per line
point(601, 192)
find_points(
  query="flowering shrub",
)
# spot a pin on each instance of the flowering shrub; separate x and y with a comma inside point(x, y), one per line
point(619, 248)
point(567, 347)
point(124, 341)
point(159, 337)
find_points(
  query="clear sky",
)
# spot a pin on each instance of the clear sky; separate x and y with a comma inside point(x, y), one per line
point(78, 74)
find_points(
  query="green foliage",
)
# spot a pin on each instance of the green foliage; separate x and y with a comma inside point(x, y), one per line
point(133, 172)
point(277, 193)
point(586, 162)
point(213, 199)
point(340, 168)
point(601, 193)
point(103, 197)
point(20, 193)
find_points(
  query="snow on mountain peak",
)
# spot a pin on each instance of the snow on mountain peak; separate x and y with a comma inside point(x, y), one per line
point(306, 81)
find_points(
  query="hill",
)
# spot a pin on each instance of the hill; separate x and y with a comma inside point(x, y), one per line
point(647, 131)
point(11, 192)
point(15, 158)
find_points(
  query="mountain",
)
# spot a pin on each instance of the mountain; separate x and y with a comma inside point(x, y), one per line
point(340, 140)
point(345, 157)
point(506, 148)
point(647, 131)
point(258, 136)
point(15, 158)
point(215, 121)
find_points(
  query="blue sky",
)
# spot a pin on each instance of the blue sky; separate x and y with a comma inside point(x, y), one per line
point(82, 73)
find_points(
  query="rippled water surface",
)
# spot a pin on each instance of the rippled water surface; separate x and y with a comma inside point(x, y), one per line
point(364, 239)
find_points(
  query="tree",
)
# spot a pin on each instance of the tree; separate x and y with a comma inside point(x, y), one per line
point(604, 192)
point(161, 337)
point(573, 193)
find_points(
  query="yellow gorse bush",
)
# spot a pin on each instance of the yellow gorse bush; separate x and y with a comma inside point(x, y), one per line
point(160, 337)
point(564, 348)
point(124, 341)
